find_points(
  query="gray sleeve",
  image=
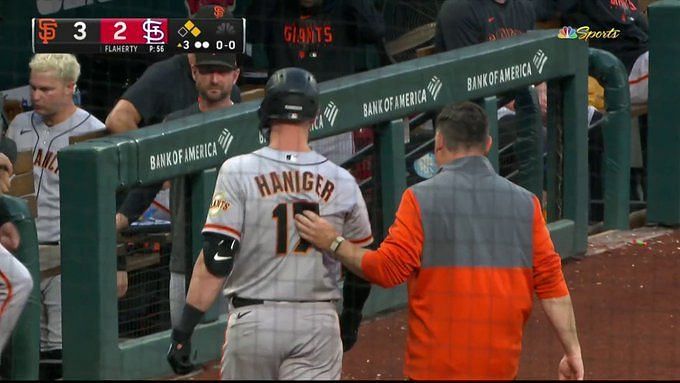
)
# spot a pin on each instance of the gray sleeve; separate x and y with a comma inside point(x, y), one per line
point(225, 215)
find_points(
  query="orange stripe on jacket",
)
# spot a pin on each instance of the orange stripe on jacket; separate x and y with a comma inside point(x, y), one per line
point(464, 322)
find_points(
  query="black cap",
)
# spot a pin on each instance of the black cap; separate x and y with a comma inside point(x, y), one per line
point(212, 12)
point(216, 59)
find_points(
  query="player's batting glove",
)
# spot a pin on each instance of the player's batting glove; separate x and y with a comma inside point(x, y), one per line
point(179, 354)
point(349, 328)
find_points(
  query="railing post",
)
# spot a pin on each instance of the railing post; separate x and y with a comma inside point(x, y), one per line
point(390, 143)
point(88, 182)
point(663, 180)
point(554, 126)
point(575, 148)
point(490, 105)
point(616, 128)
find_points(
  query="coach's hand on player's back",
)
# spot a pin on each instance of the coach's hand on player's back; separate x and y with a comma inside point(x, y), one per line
point(315, 229)
point(179, 354)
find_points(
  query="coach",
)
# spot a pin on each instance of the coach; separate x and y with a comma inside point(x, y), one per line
point(474, 249)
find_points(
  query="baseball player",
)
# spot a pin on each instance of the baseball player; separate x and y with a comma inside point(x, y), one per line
point(45, 131)
point(282, 320)
point(15, 280)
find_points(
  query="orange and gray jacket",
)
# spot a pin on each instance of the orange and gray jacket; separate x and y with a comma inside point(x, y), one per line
point(474, 249)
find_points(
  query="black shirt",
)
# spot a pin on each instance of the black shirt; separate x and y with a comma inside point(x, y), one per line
point(165, 87)
point(603, 15)
point(462, 23)
point(323, 39)
point(139, 199)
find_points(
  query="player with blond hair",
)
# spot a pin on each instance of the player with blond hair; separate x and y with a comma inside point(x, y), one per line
point(45, 131)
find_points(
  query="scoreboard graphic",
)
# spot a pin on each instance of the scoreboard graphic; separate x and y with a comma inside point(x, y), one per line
point(138, 35)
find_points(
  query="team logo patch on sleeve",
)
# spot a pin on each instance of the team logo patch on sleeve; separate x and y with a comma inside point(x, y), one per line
point(218, 205)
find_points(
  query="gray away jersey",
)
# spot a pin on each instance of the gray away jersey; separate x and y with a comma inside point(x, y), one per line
point(255, 199)
point(30, 133)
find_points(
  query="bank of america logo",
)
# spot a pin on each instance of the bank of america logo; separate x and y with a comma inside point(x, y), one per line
point(434, 87)
point(331, 112)
point(540, 59)
point(225, 140)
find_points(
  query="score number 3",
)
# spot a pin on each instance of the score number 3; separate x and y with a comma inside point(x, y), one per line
point(280, 214)
point(80, 29)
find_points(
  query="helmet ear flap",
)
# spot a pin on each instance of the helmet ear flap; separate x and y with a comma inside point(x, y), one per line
point(264, 122)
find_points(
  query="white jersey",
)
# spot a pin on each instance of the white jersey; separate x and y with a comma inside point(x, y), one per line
point(30, 133)
point(255, 199)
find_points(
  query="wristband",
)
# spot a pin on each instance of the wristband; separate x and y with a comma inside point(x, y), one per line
point(191, 316)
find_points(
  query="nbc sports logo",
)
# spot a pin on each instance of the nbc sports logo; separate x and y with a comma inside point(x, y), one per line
point(331, 112)
point(539, 60)
point(225, 140)
point(567, 33)
point(434, 87)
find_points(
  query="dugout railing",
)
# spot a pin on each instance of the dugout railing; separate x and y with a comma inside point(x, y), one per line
point(616, 136)
point(92, 172)
point(663, 139)
point(21, 356)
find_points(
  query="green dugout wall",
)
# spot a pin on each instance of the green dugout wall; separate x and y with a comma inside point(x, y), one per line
point(91, 172)
point(21, 356)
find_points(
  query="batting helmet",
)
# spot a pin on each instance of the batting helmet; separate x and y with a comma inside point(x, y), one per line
point(291, 94)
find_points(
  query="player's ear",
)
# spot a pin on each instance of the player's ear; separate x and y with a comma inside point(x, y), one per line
point(71, 86)
point(438, 141)
point(237, 72)
point(489, 143)
point(194, 72)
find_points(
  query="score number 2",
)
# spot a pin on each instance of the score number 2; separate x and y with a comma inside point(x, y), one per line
point(120, 29)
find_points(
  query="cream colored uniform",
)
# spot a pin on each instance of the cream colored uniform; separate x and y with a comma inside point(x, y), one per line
point(30, 133)
point(292, 330)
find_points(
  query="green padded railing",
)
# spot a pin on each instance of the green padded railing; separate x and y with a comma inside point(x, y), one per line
point(616, 128)
point(22, 353)
point(663, 175)
point(91, 172)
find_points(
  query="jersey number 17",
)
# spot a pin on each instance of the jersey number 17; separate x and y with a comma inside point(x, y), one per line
point(280, 215)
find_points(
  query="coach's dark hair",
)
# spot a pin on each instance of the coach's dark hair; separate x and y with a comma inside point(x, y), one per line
point(463, 125)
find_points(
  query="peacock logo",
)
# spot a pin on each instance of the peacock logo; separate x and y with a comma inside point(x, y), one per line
point(567, 33)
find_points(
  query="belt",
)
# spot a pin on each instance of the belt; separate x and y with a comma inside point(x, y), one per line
point(237, 301)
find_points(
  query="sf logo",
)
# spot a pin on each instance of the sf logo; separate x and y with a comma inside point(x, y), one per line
point(47, 30)
point(218, 12)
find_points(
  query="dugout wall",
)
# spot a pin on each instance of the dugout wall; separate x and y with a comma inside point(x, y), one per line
point(21, 356)
point(92, 172)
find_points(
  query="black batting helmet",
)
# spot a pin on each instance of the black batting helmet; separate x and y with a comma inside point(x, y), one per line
point(291, 94)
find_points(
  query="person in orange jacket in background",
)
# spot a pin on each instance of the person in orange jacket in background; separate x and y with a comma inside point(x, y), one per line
point(474, 248)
